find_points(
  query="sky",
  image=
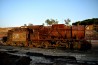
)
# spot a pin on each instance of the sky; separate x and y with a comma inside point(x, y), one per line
point(19, 12)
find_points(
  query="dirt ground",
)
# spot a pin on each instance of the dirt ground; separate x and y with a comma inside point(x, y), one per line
point(41, 56)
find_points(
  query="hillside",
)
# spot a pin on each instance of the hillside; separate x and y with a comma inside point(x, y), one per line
point(87, 22)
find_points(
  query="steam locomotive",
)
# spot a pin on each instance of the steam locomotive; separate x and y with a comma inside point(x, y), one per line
point(54, 36)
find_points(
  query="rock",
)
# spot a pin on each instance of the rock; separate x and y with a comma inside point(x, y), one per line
point(8, 59)
point(34, 54)
point(12, 51)
point(43, 63)
point(23, 61)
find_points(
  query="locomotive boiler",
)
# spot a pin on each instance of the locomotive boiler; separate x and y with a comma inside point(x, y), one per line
point(55, 36)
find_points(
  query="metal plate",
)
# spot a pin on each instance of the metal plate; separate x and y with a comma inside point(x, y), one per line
point(21, 36)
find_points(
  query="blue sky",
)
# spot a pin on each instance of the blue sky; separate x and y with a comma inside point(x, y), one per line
point(20, 12)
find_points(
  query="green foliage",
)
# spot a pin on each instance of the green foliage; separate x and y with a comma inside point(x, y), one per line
point(43, 24)
point(30, 24)
point(25, 24)
point(87, 22)
point(67, 21)
point(51, 21)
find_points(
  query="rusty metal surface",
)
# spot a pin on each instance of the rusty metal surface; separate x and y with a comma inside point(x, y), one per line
point(19, 36)
point(58, 35)
point(78, 28)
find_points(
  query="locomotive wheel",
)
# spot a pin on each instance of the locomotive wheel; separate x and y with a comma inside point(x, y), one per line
point(46, 44)
point(36, 45)
point(66, 45)
point(75, 45)
point(8, 43)
point(85, 46)
point(21, 44)
point(57, 43)
point(13, 44)
point(17, 44)
point(41, 44)
point(30, 44)
point(61, 44)
point(33, 44)
point(25, 44)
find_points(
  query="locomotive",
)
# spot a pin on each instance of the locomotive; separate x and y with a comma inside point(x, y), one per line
point(54, 36)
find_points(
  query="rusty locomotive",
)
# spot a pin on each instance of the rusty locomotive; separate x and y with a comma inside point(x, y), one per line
point(55, 36)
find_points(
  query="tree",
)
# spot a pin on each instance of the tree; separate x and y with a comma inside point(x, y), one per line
point(54, 21)
point(51, 21)
point(30, 24)
point(25, 24)
point(47, 21)
point(43, 24)
point(67, 21)
point(87, 22)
